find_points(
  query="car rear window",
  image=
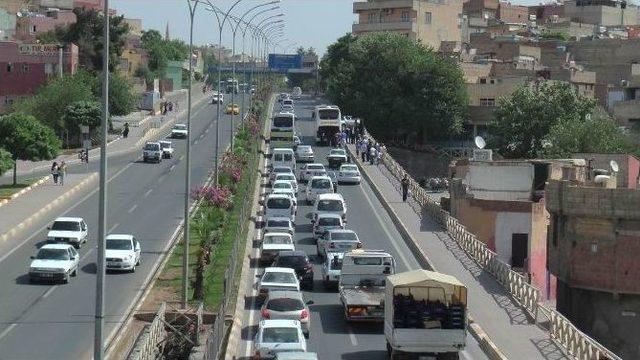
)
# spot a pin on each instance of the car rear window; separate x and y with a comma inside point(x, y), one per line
point(279, 277)
point(292, 261)
point(343, 236)
point(53, 254)
point(315, 167)
point(321, 184)
point(329, 221)
point(277, 223)
point(280, 203)
point(280, 335)
point(285, 304)
point(330, 205)
point(277, 240)
point(66, 226)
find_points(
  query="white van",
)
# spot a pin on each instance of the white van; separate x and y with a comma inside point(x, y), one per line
point(284, 157)
point(329, 204)
point(279, 205)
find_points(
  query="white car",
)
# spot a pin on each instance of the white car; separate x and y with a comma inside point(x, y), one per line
point(286, 108)
point(279, 170)
point(287, 305)
point(329, 204)
point(307, 171)
point(167, 149)
point(326, 222)
point(282, 185)
point(338, 240)
point(296, 140)
point(217, 98)
point(349, 174)
point(72, 230)
point(279, 225)
point(332, 268)
point(54, 262)
point(122, 252)
point(277, 336)
point(305, 153)
point(290, 178)
point(274, 242)
point(336, 157)
point(296, 355)
point(277, 278)
point(291, 194)
point(316, 186)
point(179, 131)
point(152, 151)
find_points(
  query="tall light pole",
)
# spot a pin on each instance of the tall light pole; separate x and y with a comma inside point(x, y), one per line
point(274, 27)
point(233, 52)
point(98, 346)
point(259, 35)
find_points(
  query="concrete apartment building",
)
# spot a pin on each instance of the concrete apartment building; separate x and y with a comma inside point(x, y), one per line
point(602, 12)
point(593, 250)
point(30, 24)
point(431, 22)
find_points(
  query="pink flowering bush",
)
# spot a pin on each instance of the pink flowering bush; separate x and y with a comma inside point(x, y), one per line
point(253, 126)
point(219, 196)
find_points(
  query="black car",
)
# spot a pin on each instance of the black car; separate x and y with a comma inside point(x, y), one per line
point(300, 263)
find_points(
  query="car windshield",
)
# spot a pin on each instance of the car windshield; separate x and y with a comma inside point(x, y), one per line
point(152, 147)
point(280, 240)
point(321, 184)
point(285, 304)
point(330, 205)
point(279, 277)
point(278, 223)
point(66, 226)
point(315, 167)
point(280, 335)
point(119, 244)
point(282, 121)
point(293, 262)
point(328, 114)
point(336, 263)
point(53, 254)
point(337, 152)
point(304, 148)
point(343, 236)
point(349, 168)
point(279, 203)
point(165, 145)
point(180, 127)
point(329, 221)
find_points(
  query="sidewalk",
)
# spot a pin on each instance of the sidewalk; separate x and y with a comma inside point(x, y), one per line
point(24, 210)
point(137, 134)
point(489, 303)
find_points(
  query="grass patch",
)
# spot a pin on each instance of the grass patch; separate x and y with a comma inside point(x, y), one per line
point(7, 190)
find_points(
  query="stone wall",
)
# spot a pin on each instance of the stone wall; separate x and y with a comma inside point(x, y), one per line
point(592, 201)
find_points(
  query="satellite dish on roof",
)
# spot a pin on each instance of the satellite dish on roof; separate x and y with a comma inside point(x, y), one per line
point(480, 143)
point(614, 166)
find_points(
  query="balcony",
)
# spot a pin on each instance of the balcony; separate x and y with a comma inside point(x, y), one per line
point(382, 4)
point(391, 25)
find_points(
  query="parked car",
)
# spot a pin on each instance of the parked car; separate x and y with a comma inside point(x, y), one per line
point(122, 252)
point(179, 131)
point(167, 149)
point(232, 109)
point(290, 178)
point(307, 171)
point(349, 173)
point(316, 186)
point(336, 157)
point(71, 230)
point(287, 305)
point(276, 336)
point(326, 222)
point(331, 269)
point(304, 153)
point(274, 242)
point(277, 278)
point(278, 225)
point(152, 151)
point(298, 261)
point(54, 262)
point(338, 240)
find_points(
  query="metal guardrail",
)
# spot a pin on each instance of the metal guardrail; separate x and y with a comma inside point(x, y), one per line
point(561, 331)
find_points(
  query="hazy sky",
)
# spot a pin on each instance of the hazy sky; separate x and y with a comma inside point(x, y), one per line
point(316, 23)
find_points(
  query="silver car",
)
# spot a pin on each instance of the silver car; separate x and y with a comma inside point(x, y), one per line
point(287, 305)
point(304, 153)
point(338, 240)
point(276, 336)
point(308, 171)
point(279, 225)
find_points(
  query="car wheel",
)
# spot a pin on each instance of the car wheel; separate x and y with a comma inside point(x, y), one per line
point(78, 245)
point(75, 272)
point(65, 279)
point(139, 261)
point(133, 269)
point(306, 334)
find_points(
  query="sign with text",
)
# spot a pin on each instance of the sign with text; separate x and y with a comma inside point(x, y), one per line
point(38, 49)
point(283, 62)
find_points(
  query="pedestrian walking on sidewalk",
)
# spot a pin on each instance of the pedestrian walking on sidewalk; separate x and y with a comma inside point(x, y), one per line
point(54, 172)
point(373, 155)
point(405, 187)
point(62, 172)
point(363, 151)
point(358, 148)
point(125, 132)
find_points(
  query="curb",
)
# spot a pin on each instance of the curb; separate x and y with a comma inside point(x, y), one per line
point(486, 344)
point(21, 192)
point(52, 205)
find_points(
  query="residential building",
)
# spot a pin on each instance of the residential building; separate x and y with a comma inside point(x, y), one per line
point(131, 60)
point(429, 21)
point(25, 67)
point(602, 12)
point(572, 29)
point(514, 14)
point(30, 24)
point(593, 250)
point(483, 9)
point(628, 174)
point(503, 204)
point(547, 13)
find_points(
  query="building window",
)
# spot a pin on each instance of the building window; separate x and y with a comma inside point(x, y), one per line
point(372, 17)
point(427, 18)
point(33, 29)
point(483, 81)
point(487, 102)
point(25, 68)
point(406, 16)
point(9, 67)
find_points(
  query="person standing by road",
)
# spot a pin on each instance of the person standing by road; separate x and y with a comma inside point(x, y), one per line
point(125, 132)
point(54, 172)
point(373, 155)
point(62, 172)
point(363, 150)
point(405, 187)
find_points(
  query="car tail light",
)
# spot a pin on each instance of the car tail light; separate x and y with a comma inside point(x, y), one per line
point(265, 314)
point(304, 314)
point(359, 245)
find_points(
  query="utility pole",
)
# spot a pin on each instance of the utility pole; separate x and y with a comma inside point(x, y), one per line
point(98, 347)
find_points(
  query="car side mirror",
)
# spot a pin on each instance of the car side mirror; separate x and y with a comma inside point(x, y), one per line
point(32, 257)
point(49, 227)
point(73, 258)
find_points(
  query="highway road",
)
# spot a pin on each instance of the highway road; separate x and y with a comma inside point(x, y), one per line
point(331, 337)
point(40, 321)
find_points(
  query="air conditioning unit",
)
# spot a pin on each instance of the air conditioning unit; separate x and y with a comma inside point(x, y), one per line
point(482, 155)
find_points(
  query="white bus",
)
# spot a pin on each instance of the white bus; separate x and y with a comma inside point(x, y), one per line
point(327, 119)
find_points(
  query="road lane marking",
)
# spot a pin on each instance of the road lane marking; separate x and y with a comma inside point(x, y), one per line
point(148, 192)
point(181, 158)
point(352, 337)
point(172, 167)
point(48, 292)
point(195, 142)
point(161, 179)
point(7, 330)
point(113, 227)
point(133, 208)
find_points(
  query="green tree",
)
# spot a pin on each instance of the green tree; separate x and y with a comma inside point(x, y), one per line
point(87, 113)
point(122, 97)
point(6, 163)
point(25, 138)
point(597, 134)
point(401, 88)
point(524, 120)
point(162, 51)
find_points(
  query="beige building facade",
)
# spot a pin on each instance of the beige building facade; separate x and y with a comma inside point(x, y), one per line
point(431, 22)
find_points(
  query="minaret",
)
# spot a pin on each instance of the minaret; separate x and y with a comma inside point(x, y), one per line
point(166, 32)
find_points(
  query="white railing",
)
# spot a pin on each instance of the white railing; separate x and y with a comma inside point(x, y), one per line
point(566, 335)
